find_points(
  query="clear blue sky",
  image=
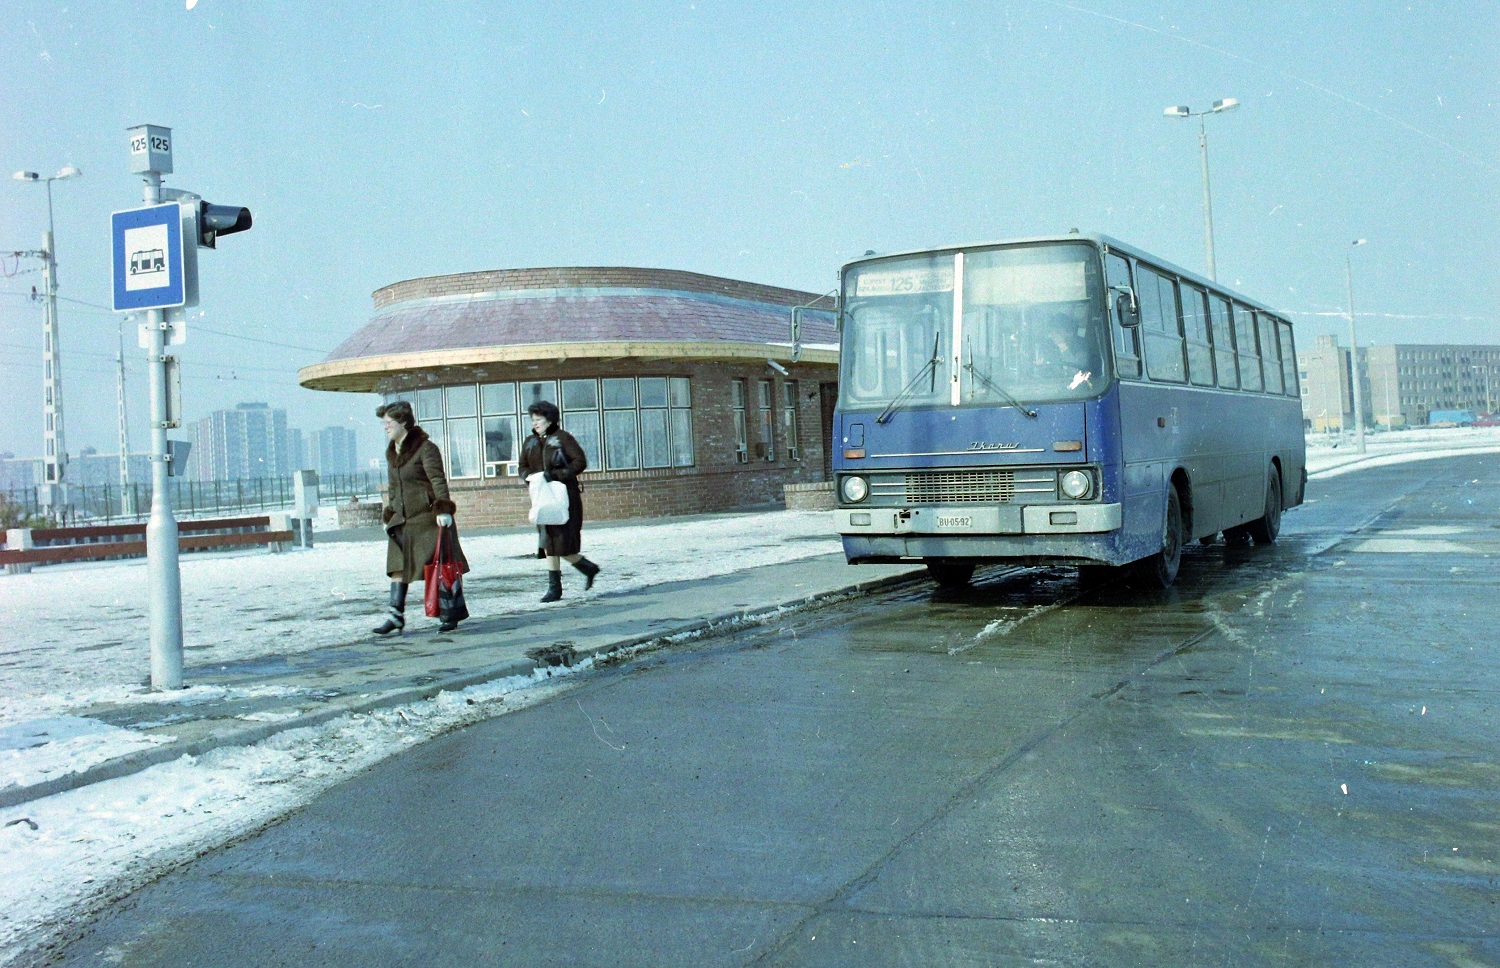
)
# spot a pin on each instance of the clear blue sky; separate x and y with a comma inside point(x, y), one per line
point(767, 142)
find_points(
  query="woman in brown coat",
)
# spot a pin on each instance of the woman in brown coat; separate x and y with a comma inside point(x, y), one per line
point(416, 506)
point(554, 453)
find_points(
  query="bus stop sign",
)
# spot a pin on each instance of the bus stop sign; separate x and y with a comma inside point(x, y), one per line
point(148, 257)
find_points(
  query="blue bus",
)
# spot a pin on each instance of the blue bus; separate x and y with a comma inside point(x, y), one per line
point(1058, 400)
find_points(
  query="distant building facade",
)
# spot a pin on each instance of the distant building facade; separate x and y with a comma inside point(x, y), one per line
point(333, 450)
point(245, 443)
point(680, 387)
point(88, 468)
point(1400, 383)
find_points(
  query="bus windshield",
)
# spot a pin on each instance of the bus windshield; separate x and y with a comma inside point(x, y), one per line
point(1031, 328)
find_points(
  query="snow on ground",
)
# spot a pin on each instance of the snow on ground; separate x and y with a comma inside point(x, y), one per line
point(1330, 456)
point(76, 635)
point(67, 856)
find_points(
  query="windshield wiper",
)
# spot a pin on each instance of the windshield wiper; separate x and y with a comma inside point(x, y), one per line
point(929, 366)
point(991, 384)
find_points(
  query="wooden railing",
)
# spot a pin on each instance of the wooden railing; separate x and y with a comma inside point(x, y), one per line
point(51, 545)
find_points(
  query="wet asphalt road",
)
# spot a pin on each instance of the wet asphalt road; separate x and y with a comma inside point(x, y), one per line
point(1290, 758)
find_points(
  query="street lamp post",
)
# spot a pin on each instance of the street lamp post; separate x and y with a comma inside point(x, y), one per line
point(1359, 403)
point(1179, 111)
point(54, 443)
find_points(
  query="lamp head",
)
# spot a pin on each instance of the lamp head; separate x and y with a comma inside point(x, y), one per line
point(1178, 111)
point(1227, 104)
point(1357, 242)
point(70, 171)
point(26, 176)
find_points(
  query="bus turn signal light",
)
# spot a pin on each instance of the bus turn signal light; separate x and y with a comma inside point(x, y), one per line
point(854, 453)
point(1065, 446)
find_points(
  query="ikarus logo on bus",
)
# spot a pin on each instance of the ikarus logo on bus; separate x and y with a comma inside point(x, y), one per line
point(983, 445)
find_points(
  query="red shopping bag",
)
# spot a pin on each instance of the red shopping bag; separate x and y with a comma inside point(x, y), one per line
point(441, 575)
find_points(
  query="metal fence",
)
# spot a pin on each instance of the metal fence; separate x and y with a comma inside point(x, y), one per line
point(104, 503)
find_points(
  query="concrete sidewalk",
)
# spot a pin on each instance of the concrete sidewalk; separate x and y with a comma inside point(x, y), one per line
point(373, 672)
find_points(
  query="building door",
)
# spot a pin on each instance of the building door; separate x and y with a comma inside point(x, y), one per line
point(828, 395)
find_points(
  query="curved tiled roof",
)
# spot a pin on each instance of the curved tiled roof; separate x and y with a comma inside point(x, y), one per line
point(519, 314)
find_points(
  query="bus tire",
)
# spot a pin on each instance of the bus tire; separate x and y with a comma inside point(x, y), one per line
point(951, 574)
point(1265, 528)
point(1160, 570)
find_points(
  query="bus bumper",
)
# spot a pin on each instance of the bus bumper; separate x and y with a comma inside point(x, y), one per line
point(1057, 533)
point(962, 521)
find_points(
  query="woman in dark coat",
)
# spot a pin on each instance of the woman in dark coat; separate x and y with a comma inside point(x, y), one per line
point(416, 506)
point(554, 453)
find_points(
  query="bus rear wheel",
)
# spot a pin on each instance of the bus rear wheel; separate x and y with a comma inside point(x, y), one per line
point(1160, 570)
point(951, 574)
point(1265, 528)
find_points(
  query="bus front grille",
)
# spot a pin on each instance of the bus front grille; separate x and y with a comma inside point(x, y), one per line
point(961, 486)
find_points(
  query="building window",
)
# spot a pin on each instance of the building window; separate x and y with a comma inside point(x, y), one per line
point(741, 434)
point(461, 455)
point(621, 439)
point(429, 405)
point(498, 404)
point(766, 446)
point(681, 399)
point(655, 436)
point(789, 419)
point(538, 391)
point(580, 417)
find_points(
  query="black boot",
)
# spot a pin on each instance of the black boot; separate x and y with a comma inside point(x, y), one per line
point(395, 618)
point(554, 586)
point(589, 570)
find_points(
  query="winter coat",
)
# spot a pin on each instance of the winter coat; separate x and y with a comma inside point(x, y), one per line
point(417, 494)
point(558, 455)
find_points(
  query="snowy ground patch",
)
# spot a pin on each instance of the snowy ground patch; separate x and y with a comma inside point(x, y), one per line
point(67, 856)
point(77, 635)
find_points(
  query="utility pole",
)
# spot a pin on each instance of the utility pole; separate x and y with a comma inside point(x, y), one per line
point(53, 492)
point(1359, 402)
point(1227, 104)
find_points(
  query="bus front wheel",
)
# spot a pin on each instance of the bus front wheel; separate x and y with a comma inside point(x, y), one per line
point(1160, 570)
point(1265, 528)
point(951, 574)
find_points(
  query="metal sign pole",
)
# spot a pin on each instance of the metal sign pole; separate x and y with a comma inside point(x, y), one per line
point(162, 569)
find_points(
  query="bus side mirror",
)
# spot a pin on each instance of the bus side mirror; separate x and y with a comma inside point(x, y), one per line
point(1127, 312)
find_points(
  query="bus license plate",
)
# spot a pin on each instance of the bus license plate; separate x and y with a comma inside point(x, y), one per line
point(961, 521)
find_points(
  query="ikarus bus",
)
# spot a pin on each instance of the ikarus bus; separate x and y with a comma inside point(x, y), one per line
point(1067, 399)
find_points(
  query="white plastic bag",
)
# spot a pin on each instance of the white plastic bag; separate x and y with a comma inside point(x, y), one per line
point(549, 501)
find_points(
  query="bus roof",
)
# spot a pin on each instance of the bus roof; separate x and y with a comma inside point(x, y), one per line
point(1096, 239)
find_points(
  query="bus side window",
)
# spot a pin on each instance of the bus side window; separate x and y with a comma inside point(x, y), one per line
point(1270, 351)
point(1195, 328)
point(1249, 352)
point(1223, 340)
point(1161, 327)
point(1288, 358)
point(1127, 341)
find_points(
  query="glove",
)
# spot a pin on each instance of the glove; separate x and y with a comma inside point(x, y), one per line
point(445, 520)
point(547, 476)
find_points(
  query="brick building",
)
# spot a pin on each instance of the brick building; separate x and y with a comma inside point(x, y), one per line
point(665, 377)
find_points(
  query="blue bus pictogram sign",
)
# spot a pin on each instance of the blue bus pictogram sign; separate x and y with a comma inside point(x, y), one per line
point(148, 263)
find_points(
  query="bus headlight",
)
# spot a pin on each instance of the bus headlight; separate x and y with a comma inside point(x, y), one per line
point(855, 489)
point(1077, 485)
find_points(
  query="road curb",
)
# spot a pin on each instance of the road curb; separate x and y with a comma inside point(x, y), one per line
point(250, 735)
